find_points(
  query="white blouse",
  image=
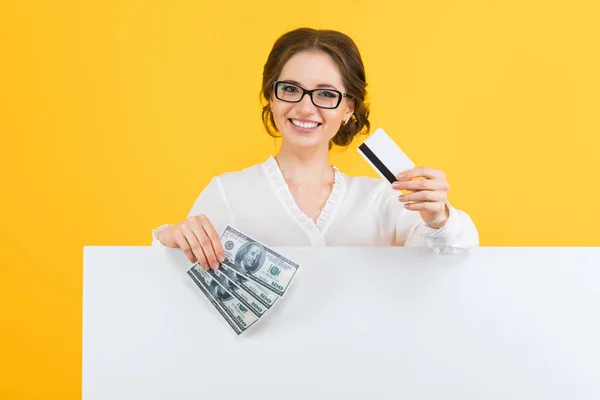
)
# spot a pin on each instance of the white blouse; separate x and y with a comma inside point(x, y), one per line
point(360, 211)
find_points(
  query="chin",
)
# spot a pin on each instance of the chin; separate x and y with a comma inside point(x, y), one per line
point(306, 144)
point(294, 139)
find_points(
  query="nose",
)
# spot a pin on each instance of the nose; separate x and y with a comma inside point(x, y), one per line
point(306, 105)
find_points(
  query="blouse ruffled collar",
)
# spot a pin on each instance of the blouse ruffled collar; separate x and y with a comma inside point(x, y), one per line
point(283, 191)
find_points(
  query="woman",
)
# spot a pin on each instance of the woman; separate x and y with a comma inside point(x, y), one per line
point(314, 86)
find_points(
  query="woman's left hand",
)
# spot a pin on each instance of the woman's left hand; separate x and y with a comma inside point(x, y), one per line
point(429, 195)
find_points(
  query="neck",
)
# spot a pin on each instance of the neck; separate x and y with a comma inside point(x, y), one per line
point(305, 167)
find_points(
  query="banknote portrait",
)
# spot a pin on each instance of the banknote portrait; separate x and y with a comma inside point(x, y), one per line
point(218, 292)
point(218, 286)
point(249, 257)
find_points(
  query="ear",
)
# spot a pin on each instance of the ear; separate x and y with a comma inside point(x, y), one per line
point(349, 110)
point(271, 100)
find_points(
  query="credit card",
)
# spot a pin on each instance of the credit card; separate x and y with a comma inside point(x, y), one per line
point(384, 155)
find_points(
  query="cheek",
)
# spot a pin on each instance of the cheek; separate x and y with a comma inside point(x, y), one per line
point(280, 110)
point(333, 117)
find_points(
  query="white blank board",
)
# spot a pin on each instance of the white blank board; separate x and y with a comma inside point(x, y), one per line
point(357, 323)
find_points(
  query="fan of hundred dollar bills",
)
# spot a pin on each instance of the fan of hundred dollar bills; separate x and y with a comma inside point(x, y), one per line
point(248, 283)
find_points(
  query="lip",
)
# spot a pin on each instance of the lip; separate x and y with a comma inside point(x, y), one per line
point(303, 130)
point(303, 120)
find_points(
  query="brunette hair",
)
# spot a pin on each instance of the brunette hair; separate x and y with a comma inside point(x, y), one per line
point(346, 56)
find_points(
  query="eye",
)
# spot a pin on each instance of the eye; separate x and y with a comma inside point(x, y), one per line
point(288, 88)
point(328, 94)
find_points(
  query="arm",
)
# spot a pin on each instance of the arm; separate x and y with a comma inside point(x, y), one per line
point(405, 227)
point(213, 203)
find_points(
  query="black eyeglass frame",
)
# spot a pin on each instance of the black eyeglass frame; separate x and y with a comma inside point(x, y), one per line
point(310, 92)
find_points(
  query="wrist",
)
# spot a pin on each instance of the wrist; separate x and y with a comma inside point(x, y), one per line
point(442, 221)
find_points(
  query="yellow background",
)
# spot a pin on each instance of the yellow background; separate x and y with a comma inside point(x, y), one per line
point(115, 114)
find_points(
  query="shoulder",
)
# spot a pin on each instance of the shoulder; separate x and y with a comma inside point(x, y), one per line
point(250, 173)
point(361, 185)
point(236, 182)
point(365, 191)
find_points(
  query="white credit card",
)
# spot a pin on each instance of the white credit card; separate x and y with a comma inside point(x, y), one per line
point(384, 155)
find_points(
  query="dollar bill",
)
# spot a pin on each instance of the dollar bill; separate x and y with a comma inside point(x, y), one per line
point(256, 262)
point(220, 276)
point(219, 308)
point(243, 316)
point(266, 297)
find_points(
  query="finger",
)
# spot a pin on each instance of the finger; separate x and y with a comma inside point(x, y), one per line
point(214, 237)
point(205, 242)
point(425, 172)
point(184, 245)
point(430, 206)
point(195, 245)
point(422, 184)
point(423, 195)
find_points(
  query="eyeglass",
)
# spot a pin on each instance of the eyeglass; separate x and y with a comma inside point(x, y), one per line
point(322, 98)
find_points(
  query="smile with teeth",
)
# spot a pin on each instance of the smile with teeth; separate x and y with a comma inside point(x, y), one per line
point(301, 124)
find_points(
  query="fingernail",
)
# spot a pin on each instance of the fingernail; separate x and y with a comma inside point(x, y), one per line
point(215, 265)
point(401, 198)
point(206, 267)
point(221, 257)
point(401, 176)
point(408, 205)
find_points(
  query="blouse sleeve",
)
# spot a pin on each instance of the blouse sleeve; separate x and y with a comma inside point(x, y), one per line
point(406, 227)
point(211, 202)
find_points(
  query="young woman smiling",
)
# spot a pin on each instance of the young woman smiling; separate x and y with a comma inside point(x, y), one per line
point(314, 86)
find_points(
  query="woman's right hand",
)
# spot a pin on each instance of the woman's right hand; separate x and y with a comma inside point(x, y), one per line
point(198, 239)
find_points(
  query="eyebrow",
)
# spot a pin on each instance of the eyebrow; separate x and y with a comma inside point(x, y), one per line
point(320, 85)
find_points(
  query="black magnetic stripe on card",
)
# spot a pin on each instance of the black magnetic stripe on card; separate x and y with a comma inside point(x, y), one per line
point(377, 163)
